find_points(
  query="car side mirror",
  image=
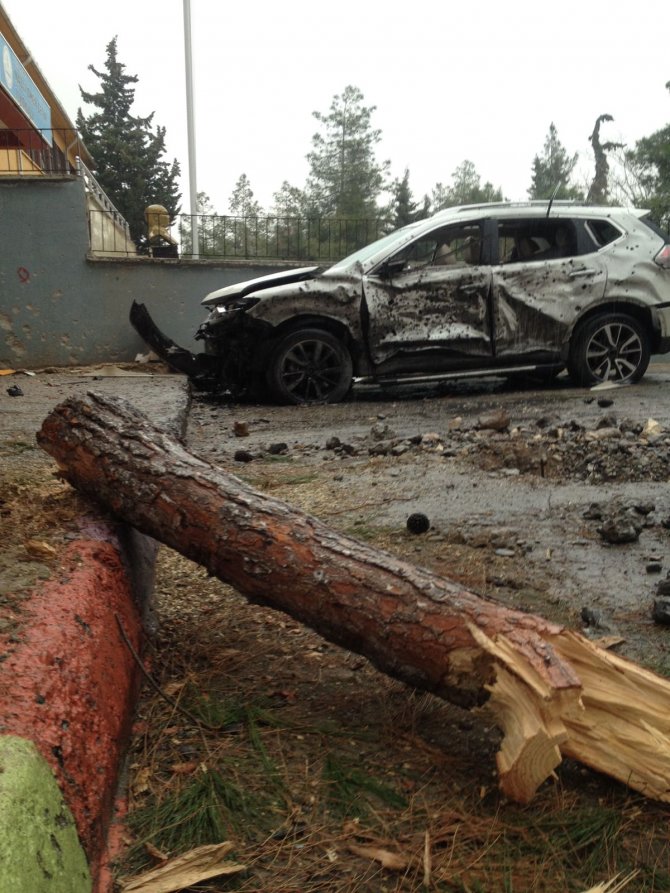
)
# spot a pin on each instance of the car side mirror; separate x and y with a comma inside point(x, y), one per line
point(391, 267)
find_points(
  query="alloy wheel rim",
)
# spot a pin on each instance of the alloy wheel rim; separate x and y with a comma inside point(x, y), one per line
point(311, 370)
point(614, 352)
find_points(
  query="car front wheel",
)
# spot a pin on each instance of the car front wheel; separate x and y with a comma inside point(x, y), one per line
point(609, 348)
point(310, 366)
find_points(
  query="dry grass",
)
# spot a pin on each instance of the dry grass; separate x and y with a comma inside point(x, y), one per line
point(318, 767)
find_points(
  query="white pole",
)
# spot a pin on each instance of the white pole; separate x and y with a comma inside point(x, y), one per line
point(190, 128)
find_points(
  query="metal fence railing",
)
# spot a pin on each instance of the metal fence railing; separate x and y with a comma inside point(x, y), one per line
point(108, 230)
point(275, 237)
point(31, 152)
point(319, 239)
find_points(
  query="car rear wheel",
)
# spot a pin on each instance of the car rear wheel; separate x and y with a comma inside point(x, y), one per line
point(310, 366)
point(609, 348)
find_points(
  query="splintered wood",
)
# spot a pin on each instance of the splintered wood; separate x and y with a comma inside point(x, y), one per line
point(552, 691)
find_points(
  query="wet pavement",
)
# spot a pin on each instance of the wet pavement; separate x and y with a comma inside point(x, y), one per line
point(519, 494)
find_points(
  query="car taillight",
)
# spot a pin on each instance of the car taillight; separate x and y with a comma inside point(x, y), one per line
point(663, 257)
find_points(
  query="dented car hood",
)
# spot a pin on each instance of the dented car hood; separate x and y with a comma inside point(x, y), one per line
point(241, 289)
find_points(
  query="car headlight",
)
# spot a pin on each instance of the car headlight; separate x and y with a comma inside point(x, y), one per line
point(236, 306)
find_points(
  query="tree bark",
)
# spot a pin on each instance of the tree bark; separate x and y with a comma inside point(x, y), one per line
point(553, 692)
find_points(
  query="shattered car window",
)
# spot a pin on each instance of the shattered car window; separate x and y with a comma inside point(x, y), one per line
point(371, 250)
point(450, 245)
point(522, 241)
point(603, 232)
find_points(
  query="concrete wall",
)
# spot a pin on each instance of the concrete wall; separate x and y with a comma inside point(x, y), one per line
point(60, 306)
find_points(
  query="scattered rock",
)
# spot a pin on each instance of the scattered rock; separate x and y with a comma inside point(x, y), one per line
point(243, 456)
point(651, 427)
point(619, 528)
point(630, 425)
point(604, 402)
point(496, 420)
point(277, 449)
point(383, 448)
point(240, 429)
point(654, 567)
point(381, 431)
point(604, 432)
point(593, 618)
point(333, 443)
point(661, 611)
point(430, 439)
point(15, 391)
point(594, 512)
point(418, 523)
point(40, 549)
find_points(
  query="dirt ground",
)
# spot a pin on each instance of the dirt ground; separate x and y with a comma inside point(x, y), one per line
point(327, 775)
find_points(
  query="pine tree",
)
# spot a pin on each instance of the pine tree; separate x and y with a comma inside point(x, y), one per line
point(248, 237)
point(242, 202)
point(465, 189)
point(404, 209)
point(292, 232)
point(345, 178)
point(552, 171)
point(129, 156)
point(289, 201)
point(211, 230)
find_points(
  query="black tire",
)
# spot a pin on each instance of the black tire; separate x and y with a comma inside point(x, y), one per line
point(309, 366)
point(609, 347)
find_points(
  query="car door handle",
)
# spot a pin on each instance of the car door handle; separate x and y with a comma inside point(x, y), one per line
point(585, 271)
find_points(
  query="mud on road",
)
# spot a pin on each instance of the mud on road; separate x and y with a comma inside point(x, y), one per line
point(552, 499)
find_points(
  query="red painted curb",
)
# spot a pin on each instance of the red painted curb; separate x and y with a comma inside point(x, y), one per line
point(73, 682)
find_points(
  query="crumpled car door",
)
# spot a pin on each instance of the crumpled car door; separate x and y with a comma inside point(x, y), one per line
point(535, 303)
point(435, 307)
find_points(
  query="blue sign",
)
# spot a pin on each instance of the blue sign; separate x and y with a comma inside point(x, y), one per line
point(21, 87)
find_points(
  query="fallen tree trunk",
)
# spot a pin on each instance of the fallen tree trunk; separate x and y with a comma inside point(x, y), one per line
point(552, 691)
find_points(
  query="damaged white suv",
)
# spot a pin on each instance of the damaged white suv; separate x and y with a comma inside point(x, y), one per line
point(479, 290)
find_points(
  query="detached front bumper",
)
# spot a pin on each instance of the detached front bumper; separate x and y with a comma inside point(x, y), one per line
point(200, 367)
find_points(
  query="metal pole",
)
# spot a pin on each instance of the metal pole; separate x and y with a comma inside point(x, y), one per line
point(190, 128)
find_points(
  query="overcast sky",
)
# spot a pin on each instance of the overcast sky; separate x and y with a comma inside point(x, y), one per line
point(450, 81)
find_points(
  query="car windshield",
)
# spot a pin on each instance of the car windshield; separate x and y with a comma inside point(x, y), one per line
point(397, 237)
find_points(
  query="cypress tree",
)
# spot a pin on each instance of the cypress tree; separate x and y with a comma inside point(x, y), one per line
point(129, 155)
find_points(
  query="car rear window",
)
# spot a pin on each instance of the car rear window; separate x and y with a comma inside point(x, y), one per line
point(535, 240)
point(603, 232)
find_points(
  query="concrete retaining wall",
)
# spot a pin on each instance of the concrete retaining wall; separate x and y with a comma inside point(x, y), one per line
point(59, 306)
